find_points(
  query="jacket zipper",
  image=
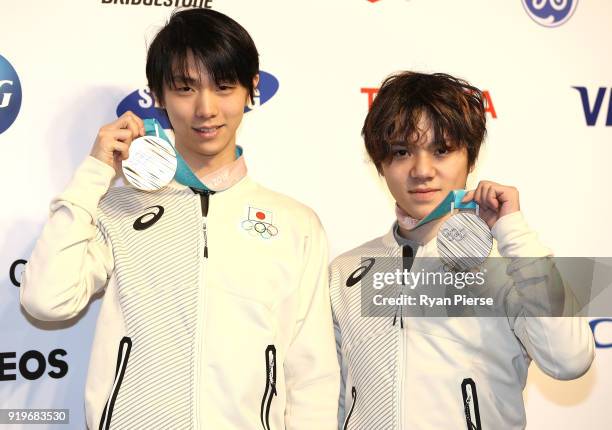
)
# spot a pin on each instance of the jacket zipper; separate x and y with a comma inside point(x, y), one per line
point(402, 359)
point(348, 417)
point(125, 346)
point(204, 207)
point(270, 390)
point(408, 256)
point(470, 404)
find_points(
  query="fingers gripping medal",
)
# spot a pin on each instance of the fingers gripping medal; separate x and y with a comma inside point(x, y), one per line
point(464, 240)
point(152, 161)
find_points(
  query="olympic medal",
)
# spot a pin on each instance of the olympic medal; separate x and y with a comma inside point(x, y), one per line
point(464, 241)
point(151, 164)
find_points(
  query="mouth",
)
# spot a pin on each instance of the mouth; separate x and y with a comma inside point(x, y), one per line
point(207, 132)
point(423, 194)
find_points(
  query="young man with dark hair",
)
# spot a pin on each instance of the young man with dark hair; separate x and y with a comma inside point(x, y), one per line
point(216, 309)
point(423, 133)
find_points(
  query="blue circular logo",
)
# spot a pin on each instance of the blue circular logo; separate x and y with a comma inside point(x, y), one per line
point(550, 13)
point(10, 94)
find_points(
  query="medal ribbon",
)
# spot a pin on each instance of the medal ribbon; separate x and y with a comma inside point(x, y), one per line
point(451, 202)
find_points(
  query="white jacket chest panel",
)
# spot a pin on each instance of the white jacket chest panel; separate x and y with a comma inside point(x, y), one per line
point(158, 248)
point(235, 303)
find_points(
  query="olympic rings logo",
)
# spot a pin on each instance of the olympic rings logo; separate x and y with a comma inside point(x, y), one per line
point(263, 229)
point(453, 234)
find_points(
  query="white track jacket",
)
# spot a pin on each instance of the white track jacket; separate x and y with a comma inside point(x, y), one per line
point(215, 313)
point(449, 373)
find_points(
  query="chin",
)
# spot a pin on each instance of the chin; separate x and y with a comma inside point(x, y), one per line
point(210, 148)
point(203, 150)
point(419, 211)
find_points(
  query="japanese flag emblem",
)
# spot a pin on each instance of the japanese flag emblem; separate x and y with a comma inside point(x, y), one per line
point(259, 223)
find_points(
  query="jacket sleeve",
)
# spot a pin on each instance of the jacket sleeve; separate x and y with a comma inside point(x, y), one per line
point(71, 260)
point(311, 367)
point(563, 347)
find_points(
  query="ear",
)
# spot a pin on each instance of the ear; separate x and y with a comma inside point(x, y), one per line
point(255, 80)
point(255, 83)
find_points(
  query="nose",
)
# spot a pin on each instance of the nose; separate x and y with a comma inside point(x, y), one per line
point(206, 105)
point(422, 167)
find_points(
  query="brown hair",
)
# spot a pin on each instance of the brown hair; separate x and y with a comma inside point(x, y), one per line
point(454, 107)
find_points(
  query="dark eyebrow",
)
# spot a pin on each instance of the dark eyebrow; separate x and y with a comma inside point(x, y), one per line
point(408, 145)
point(188, 80)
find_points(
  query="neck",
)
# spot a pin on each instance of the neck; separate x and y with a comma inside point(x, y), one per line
point(202, 165)
point(424, 233)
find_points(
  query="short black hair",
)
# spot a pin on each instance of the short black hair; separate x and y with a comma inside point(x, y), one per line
point(221, 47)
point(455, 108)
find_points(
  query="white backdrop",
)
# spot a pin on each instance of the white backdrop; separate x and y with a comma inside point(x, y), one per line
point(78, 59)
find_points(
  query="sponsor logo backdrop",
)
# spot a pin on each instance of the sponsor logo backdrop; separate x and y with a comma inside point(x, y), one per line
point(543, 64)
